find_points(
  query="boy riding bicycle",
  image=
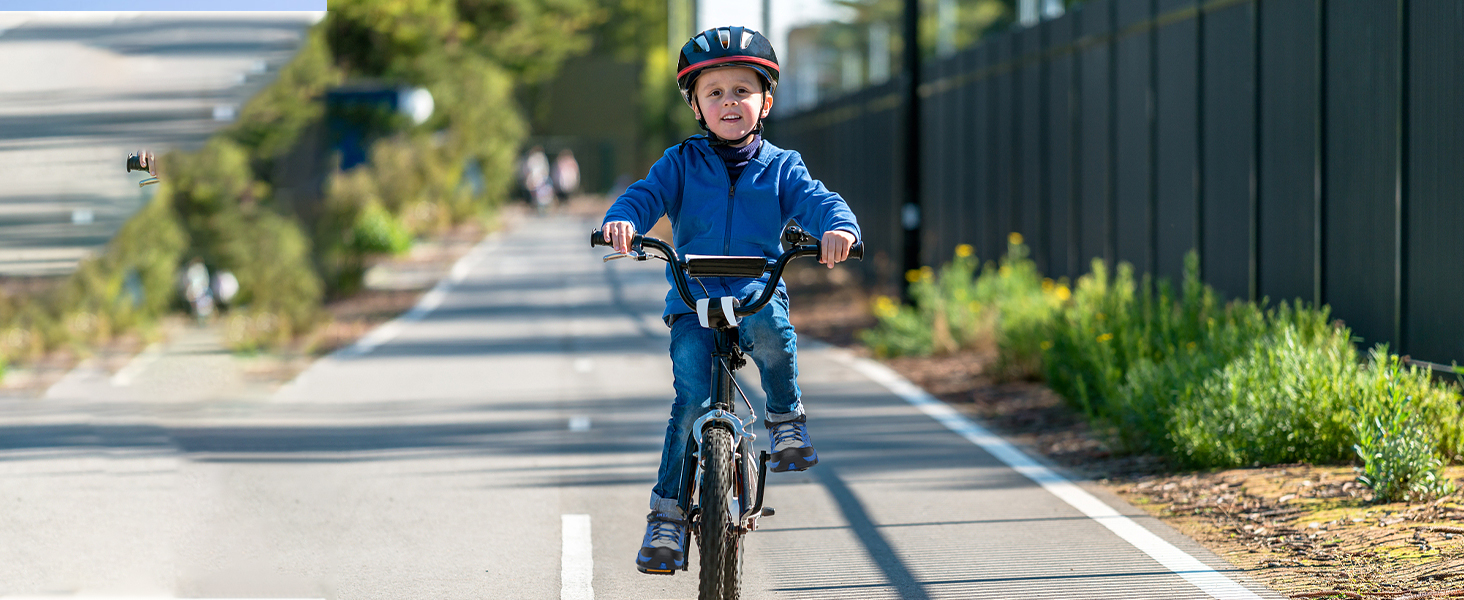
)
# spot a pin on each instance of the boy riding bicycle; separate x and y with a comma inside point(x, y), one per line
point(728, 193)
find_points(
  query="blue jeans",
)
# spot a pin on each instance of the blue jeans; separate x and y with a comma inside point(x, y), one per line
point(766, 336)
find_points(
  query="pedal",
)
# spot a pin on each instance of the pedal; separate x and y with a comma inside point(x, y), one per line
point(768, 511)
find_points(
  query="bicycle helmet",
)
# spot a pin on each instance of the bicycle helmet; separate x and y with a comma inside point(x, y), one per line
point(725, 47)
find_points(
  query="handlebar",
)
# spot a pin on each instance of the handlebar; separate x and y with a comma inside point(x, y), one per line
point(143, 161)
point(798, 242)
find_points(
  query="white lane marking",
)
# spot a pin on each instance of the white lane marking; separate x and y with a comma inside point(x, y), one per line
point(1181, 563)
point(584, 365)
point(137, 365)
point(577, 563)
point(425, 305)
point(579, 423)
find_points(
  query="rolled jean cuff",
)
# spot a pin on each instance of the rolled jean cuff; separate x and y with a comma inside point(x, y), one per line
point(774, 418)
point(663, 505)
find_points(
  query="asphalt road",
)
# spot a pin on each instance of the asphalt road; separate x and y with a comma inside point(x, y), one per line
point(82, 90)
point(501, 442)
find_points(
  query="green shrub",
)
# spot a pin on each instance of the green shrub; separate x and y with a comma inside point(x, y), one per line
point(1395, 443)
point(376, 231)
point(1008, 303)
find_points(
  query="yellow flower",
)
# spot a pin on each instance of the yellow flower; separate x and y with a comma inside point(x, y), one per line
point(964, 250)
point(1063, 293)
point(1004, 270)
point(1045, 345)
point(974, 307)
point(912, 276)
point(885, 308)
point(1014, 238)
point(1190, 345)
point(1047, 285)
point(1105, 337)
point(927, 273)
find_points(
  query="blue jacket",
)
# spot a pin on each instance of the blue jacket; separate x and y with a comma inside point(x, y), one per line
point(711, 215)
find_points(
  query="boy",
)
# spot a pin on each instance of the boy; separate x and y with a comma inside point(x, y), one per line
point(727, 193)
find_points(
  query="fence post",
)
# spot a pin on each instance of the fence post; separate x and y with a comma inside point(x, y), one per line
point(910, 212)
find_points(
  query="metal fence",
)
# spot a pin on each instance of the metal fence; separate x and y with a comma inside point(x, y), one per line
point(1307, 149)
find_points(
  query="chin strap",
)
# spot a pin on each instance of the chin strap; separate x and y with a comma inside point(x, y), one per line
point(717, 140)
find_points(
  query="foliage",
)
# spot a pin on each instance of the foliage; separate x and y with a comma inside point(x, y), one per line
point(272, 122)
point(1393, 439)
point(1009, 302)
point(1184, 376)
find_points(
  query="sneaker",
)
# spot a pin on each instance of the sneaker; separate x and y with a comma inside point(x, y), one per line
point(792, 450)
point(663, 551)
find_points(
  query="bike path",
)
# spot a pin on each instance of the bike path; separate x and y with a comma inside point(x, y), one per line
point(440, 457)
point(900, 507)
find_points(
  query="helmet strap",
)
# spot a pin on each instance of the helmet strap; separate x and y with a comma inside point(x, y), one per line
point(717, 140)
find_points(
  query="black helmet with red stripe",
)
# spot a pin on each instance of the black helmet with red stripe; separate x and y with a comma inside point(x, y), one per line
point(726, 47)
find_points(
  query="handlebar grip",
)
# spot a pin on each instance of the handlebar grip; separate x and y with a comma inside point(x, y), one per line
point(597, 238)
point(857, 251)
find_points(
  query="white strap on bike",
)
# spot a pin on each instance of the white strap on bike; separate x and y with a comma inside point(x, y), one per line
point(704, 308)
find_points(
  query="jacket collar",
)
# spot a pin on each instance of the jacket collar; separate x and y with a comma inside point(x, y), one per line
point(764, 154)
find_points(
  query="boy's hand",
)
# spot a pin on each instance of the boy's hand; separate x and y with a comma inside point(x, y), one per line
point(618, 234)
point(835, 246)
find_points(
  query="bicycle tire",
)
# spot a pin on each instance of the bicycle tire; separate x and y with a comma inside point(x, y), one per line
point(720, 545)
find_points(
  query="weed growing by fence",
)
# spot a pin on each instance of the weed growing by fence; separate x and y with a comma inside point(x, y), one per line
point(1393, 441)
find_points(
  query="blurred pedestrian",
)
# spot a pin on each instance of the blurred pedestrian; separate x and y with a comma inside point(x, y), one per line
point(225, 287)
point(196, 290)
point(566, 173)
point(536, 179)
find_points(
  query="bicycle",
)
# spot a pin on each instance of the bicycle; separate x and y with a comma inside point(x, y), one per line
point(719, 471)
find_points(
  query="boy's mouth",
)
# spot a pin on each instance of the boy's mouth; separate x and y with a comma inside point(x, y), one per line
point(730, 118)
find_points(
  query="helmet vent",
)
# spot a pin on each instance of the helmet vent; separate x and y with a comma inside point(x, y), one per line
point(725, 37)
point(746, 39)
point(701, 42)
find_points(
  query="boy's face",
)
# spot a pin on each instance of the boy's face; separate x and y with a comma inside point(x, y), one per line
point(731, 100)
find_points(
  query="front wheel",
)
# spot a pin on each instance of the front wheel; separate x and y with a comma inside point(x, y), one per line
point(721, 546)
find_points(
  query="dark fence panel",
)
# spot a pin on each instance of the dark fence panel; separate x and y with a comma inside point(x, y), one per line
point(1288, 156)
point(1060, 108)
point(1227, 201)
point(1176, 141)
point(1095, 134)
point(1435, 212)
point(1029, 180)
point(1133, 136)
point(983, 217)
point(1361, 170)
point(934, 202)
point(1004, 108)
point(1307, 148)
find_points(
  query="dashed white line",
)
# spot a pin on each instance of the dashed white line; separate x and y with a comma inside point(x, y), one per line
point(138, 364)
point(428, 303)
point(1181, 563)
point(577, 563)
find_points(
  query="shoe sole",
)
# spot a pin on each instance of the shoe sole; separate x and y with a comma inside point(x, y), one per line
point(794, 463)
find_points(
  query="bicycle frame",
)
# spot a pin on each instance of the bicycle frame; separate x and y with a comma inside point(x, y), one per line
point(747, 494)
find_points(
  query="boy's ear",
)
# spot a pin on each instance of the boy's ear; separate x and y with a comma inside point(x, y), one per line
point(695, 110)
point(767, 105)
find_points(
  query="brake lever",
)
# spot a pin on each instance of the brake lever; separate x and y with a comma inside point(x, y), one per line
point(631, 254)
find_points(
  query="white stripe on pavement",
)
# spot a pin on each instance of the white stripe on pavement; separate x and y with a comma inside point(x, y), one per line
point(577, 563)
point(428, 303)
point(1176, 560)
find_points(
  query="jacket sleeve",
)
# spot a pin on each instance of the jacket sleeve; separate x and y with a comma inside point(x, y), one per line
point(645, 201)
point(814, 206)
